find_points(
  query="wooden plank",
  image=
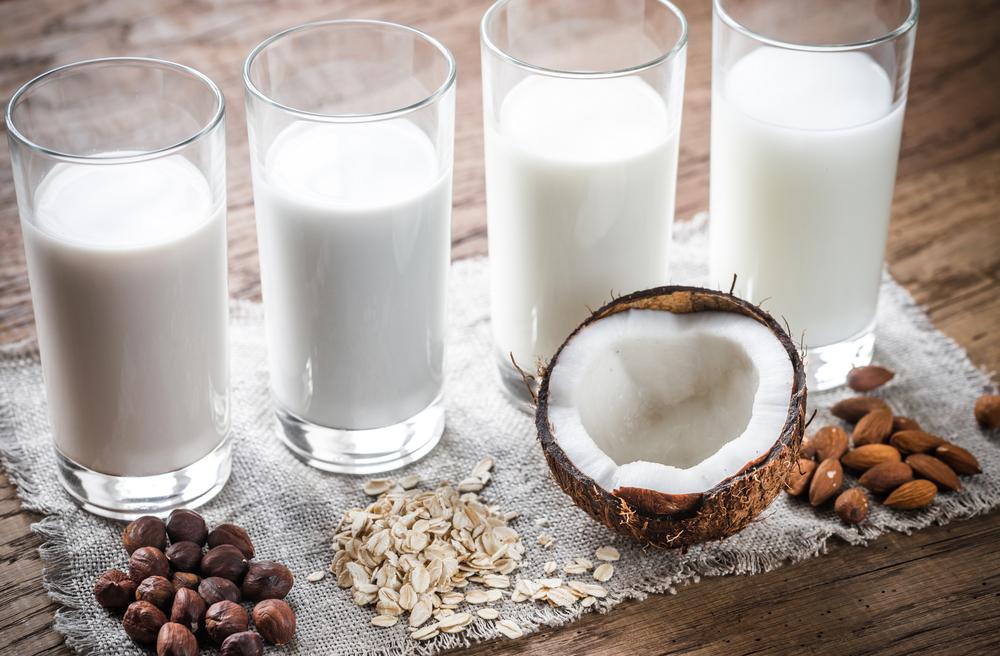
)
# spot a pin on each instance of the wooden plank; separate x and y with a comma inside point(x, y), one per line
point(937, 591)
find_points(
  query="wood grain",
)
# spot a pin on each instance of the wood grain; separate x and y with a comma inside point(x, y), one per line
point(935, 592)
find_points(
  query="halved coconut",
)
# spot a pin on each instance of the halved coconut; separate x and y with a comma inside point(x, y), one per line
point(673, 415)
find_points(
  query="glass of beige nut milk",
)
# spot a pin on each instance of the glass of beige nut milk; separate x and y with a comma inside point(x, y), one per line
point(581, 112)
point(807, 111)
point(119, 168)
point(351, 126)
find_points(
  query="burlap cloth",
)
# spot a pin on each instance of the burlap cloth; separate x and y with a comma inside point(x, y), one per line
point(291, 510)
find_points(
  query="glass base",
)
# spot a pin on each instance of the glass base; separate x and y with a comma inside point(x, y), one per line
point(366, 451)
point(516, 387)
point(129, 497)
point(827, 366)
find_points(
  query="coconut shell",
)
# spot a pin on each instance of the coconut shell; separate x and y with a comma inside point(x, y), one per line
point(681, 520)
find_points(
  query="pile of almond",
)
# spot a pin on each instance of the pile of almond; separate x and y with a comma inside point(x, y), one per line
point(891, 455)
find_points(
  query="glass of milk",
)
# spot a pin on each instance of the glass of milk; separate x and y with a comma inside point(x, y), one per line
point(351, 126)
point(119, 167)
point(581, 112)
point(807, 110)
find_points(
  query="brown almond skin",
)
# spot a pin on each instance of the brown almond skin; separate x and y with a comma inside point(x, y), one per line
point(904, 424)
point(915, 441)
point(225, 618)
point(987, 411)
point(275, 621)
point(865, 379)
point(147, 561)
point(185, 525)
point(188, 609)
point(225, 561)
point(853, 409)
point(114, 589)
point(799, 477)
point(807, 449)
point(184, 556)
point(266, 579)
point(934, 470)
point(874, 428)
point(245, 643)
point(185, 580)
point(826, 481)
point(960, 460)
point(914, 495)
point(852, 506)
point(142, 622)
point(830, 442)
point(886, 477)
point(175, 640)
point(214, 589)
point(865, 457)
point(233, 535)
point(157, 590)
point(147, 531)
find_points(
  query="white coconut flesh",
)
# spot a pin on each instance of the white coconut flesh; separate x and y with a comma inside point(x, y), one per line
point(674, 403)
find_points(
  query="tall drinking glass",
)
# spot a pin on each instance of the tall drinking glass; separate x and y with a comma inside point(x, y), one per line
point(351, 129)
point(807, 111)
point(581, 112)
point(119, 166)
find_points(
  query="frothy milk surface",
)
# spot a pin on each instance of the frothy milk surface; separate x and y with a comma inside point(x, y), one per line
point(580, 185)
point(128, 281)
point(354, 226)
point(804, 151)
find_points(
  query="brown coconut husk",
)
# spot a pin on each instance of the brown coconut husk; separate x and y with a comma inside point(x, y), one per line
point(681, 520)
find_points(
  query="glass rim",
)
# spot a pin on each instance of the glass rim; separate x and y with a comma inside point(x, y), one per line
point(396, 112)
point(905, 26)
point(670, 54)
point(155, 153)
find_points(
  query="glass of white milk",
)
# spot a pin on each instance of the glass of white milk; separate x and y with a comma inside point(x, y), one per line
point(119, 166)
point(351, 126)
point(581, 112)
point(807, 110)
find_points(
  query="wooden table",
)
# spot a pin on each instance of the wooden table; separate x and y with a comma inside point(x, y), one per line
point(937, 591)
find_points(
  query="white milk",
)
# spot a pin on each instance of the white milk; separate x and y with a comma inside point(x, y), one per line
point(580, 178)
point(354, 223)
point(804, 150)
point(128, 279)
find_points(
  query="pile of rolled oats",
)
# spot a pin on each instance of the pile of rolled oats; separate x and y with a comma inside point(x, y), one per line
point(420, 552)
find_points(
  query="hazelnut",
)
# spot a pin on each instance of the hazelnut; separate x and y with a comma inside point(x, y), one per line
point(267, 579)
point(234, 535)
point(156, 590)
point(224, 618)
point(184, 556)
point(147, 561)
point(185, 580)
point(215, 589)
point(188, 609)
point(175, 640)
point(225, 561)
point(185, 525)
point(245, 643)
point(142, 621)
point(275, 621)
point(114, 589)
point(147, 531)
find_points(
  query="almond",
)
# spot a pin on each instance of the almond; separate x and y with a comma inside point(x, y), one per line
point(934, 470)
point(874, 428)
point(886, 477)
point(852, 505)
point(865, 379)
point(865, 457)
point(807, 449)
point(903, 424)
point(987, 410)
point(830, 442)
point(913, 495)
point(826, 480)
point(958, 459)
point(853, 409)
point(915, 441)
point(799, 477)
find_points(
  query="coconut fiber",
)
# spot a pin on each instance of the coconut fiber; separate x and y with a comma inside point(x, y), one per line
point(291, 510)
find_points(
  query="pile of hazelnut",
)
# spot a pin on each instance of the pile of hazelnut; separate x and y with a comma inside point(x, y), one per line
point(173, 593)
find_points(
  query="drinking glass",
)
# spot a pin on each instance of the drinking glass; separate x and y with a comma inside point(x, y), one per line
point(807, 110)
point(119, 168)
point(351, 126)
point(581, 112)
